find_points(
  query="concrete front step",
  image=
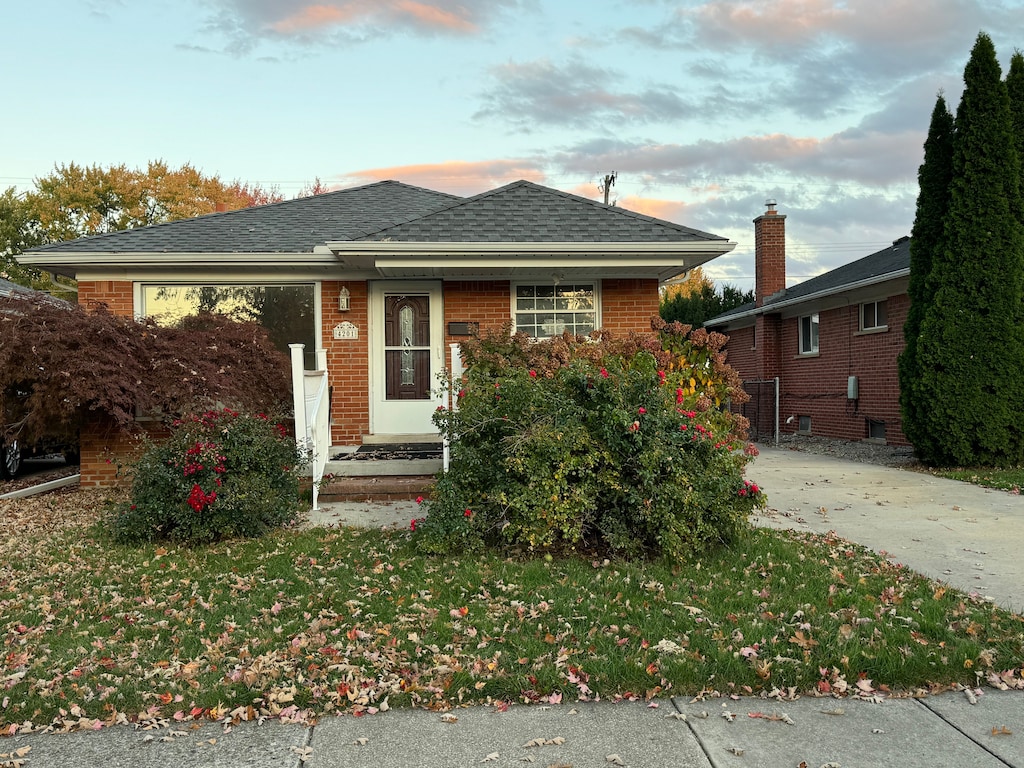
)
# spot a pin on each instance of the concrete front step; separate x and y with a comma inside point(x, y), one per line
point(382, 468)
point(376, 488)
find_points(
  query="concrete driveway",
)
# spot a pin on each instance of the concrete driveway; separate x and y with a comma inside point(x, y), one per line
point(966, 535)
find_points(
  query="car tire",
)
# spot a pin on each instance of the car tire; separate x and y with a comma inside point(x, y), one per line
point(10, 459)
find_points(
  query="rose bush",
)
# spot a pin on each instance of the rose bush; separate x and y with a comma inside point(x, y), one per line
point(219, 475)
point(574, 442)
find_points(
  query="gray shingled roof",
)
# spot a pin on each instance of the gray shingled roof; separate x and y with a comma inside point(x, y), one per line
point(292, 226)
point(889, 260)
point(526, 212)
point(7, 288)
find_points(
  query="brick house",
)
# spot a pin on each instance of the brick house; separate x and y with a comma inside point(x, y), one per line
point(384, 277)
point(832, 341)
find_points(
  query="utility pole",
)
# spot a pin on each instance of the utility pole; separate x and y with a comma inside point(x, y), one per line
point(607, 184)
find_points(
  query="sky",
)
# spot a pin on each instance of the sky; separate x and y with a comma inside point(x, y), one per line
point(703, 109)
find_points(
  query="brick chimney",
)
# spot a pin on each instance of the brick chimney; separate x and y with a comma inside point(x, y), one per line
point(769, 254)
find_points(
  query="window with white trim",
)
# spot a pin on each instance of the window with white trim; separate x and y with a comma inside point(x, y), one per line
point(873, 316)
point(543, 311)
point(288, 312)
point(809, 334)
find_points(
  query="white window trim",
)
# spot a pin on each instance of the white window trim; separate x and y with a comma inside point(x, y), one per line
point(813, 351)
point(512, 299)
point(874, 328)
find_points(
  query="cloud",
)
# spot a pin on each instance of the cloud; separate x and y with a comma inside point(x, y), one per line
point(856, 155)
point(306, 22)
point(456, 177)
point(577, 95)
point(819, 59)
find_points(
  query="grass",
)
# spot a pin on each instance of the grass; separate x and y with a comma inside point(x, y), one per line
point(303, 623)
point(1003, 479)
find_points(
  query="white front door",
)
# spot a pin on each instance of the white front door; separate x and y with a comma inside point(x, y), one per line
point(407, 354)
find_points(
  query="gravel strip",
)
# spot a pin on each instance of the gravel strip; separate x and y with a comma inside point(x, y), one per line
point(853, 450)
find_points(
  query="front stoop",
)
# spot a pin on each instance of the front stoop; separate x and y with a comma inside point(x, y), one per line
point(387, 480)
point(385, 488)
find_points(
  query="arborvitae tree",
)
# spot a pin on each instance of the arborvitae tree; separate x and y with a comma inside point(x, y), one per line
point(970, 350)
point(1015, 90)
point(933, 177)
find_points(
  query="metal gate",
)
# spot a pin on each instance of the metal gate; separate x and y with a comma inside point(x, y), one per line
point(762, 409)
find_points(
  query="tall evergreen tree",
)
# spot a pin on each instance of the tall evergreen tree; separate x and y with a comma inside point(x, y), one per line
point(1015, 90)
point(934, 178)
point(970, 349)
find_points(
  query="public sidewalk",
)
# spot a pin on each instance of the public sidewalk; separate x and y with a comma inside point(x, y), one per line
point(933, 732)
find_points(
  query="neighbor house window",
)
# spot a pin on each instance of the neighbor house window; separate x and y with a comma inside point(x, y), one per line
point(804, 425)
point(808, 334)
point(543, 311)
point(288, 312)
point(873, 316)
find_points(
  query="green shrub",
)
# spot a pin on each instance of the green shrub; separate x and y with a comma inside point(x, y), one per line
point(219, 475)
point(570, 442)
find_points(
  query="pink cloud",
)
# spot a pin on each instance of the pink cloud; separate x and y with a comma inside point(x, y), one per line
point(669, 210)
point(316, 16)
point(433, 16)
point(311, 17)
point(457, 177)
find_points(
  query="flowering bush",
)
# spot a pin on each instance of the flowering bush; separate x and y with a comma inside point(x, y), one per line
point(219, 475)
point(622, 443)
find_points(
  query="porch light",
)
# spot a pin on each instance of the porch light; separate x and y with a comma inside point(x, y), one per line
point(344, 300)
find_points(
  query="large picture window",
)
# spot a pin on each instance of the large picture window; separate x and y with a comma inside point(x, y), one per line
point(809, 334)
point(288, 312)
point(543, 311)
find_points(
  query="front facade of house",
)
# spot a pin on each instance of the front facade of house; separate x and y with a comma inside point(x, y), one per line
point(832, 341)
point(385, 278)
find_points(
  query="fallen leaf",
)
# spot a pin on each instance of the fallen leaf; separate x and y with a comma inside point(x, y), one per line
point(735, 751)
point(448, 717)
point(614, 760)
point(304, 753)
point(362, 741)
point(491, 758)
point(1004, 731)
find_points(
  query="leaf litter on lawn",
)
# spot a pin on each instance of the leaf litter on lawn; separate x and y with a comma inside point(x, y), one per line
point(302, 624)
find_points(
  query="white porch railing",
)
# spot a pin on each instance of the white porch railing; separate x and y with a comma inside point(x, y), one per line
point(455, 370)
point(310, 396)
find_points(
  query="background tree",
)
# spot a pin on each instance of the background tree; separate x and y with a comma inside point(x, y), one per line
point(971, 346)
point(74, 201)
point(927, 238)
point(695, 299)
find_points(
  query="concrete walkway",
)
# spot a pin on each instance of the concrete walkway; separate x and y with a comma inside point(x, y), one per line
point(962, 534)
point(966, 535)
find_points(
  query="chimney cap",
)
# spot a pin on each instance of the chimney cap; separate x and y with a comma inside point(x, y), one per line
point(770, 204)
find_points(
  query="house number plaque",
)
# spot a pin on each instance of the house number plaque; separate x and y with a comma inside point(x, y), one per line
point(346, 330)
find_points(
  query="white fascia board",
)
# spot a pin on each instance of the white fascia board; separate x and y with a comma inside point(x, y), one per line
point(817, 296)
point(173, 261)
point(379, 248)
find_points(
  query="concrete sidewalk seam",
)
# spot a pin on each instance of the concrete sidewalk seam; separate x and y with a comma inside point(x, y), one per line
point(696, 736)
point(307, 741)
point(962, 732)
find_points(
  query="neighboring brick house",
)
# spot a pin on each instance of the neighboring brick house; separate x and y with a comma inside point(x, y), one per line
point(384, 277)
point(832, 341)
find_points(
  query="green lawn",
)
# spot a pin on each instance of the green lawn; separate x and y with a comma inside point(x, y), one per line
point(1004, 479)
point(302, 623)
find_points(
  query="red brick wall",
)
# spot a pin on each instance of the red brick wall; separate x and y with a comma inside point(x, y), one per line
point(488, 302)
point(740, 352)
point(118, 295)
point(817, 386)
point(628, 304)
point(348, 361)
